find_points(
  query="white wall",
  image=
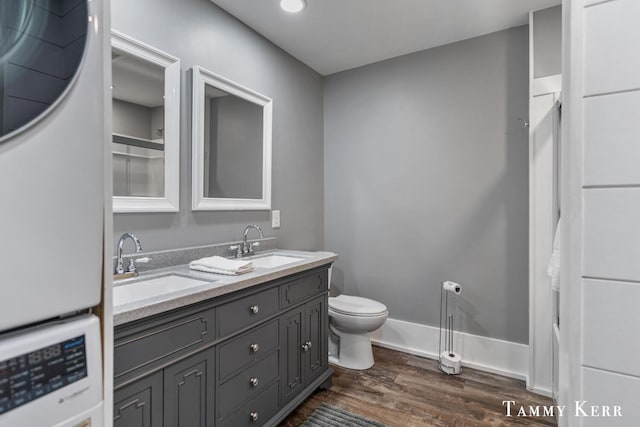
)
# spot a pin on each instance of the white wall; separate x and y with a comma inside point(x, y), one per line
point(611, 194)
point(605, 372)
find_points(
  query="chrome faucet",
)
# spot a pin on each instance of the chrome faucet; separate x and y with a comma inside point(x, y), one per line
point(246, 248)
point(120, 264)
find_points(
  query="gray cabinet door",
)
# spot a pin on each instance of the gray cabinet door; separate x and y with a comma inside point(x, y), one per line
point(315, 358)
point(291, 369)
point(139, 404)
point(304, 346)
point(189, 391)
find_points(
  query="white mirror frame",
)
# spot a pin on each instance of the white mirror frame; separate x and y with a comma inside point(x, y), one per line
point(171, 200)
point(202, 77)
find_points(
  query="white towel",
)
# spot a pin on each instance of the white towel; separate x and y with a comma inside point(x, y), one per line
point(553, 269)
point(220, 265)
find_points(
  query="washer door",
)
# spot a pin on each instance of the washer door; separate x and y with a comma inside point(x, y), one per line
point(42, 44)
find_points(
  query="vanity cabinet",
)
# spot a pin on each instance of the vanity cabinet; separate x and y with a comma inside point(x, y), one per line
point(247, 358)
point(304, 334)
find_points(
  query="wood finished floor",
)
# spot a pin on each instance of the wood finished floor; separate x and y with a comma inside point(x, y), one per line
point(402, 390)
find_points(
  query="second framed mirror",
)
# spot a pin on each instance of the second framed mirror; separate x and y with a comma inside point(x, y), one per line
point(231, 146)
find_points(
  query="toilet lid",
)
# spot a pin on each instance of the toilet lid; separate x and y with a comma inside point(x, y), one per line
point(347, 304)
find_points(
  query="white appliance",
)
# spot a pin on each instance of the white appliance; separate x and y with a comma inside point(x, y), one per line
point(54, 65)
point(51, 375)
point(51, 167)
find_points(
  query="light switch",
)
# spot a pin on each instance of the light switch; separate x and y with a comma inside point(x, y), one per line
point(275, 219)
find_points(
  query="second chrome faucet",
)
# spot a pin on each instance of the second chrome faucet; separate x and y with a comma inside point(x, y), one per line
point(245, 248)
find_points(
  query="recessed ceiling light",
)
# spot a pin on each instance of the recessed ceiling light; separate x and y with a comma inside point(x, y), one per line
point(293, 6)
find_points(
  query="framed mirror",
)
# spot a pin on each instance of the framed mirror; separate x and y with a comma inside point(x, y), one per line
point(41, 51)
point(145, 126)
point(231, 161)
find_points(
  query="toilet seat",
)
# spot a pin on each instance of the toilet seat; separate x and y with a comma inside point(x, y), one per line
point(356, 306)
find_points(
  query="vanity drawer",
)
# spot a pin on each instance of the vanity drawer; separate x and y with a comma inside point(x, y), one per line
point(247, 384)
point(255, 412)
point(140, 348)
point(303, 288)
point(241, 313)
point(247, 348)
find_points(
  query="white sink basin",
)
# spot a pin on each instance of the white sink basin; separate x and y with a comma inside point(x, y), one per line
point(274, 260)
point(153, 287)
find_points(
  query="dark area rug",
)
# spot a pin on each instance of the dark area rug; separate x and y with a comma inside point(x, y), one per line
point(330, 416)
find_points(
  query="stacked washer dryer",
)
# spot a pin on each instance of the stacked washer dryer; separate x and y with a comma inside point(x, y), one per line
point(52, 130)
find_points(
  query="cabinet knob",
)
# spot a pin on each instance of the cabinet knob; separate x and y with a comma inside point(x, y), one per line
point(306, 346)
point(254, 382)
point(254, 347)
point(254, 309)
point(254, 416)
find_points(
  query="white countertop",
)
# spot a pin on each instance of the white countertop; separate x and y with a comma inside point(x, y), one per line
point(214, 285)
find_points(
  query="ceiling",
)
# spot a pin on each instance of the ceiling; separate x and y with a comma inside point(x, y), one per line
point(336, 35)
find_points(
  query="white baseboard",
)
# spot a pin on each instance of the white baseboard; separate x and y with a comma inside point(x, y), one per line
point(542, 391)
point(486, 354)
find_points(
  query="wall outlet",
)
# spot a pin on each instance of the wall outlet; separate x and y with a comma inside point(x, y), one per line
point(275, 219)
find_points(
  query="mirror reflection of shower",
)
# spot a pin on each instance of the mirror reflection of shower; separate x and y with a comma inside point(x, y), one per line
point(138, 126)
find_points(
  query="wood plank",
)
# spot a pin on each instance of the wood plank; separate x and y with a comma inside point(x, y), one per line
point(403, 390)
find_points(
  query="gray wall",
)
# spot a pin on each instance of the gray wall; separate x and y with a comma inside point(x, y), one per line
point(547, 42)
point(426, 180)
point(202, 34)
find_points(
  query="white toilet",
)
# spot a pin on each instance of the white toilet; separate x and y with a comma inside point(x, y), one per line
point(351, 319)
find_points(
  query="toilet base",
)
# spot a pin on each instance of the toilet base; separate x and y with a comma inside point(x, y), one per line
point(354, 351)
